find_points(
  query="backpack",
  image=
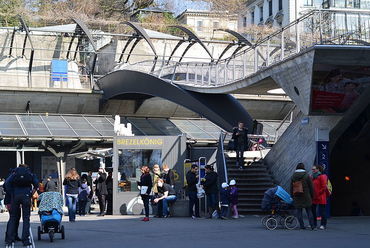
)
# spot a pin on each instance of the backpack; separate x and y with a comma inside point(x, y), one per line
point(298, 188)
point(329, 188)
point(22, 178)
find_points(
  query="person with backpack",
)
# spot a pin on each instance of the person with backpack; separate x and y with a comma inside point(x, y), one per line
point(83, 193)
point(23, 184)
point(320, 182)
point(302, 192)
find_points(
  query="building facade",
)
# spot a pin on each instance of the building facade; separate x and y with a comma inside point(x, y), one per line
point(203, 22)
point(279, 13)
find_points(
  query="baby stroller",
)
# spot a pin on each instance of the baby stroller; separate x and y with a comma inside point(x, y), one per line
point(279, 203)
point(50, 212)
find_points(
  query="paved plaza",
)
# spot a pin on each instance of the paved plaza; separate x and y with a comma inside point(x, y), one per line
point(129, 231)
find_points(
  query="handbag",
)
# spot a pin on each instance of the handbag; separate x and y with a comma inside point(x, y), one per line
point(143, 190)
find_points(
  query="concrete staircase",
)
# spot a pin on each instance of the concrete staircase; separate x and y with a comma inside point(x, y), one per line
point(252, 181)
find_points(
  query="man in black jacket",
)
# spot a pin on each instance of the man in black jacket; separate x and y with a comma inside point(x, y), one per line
point(191, 190)
point(240, 136)
point(21, 181)
point(101, 190)
point(210, 184)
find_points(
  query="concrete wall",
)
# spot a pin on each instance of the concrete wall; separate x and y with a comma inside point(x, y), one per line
point(296, 145)
point(51, 102)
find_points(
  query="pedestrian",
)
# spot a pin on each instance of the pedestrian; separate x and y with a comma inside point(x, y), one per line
point(192, 179)
point(168, 195)
point(320, 181)
point(168, 175)
point(50, 185)
point(7, 201)
point(224, 200)
point(88, 178)
point(234, 199)
point(210, 184)
point(2, 196)
point(23, 184)
point(101, 190)
point(156, 176)
point(72, 183)
point(83, 194)
point(109, 183)
point(240, 136)
point(302, 192)
point(146, 185)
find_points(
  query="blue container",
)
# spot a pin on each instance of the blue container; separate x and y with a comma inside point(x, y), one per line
point(283, 195)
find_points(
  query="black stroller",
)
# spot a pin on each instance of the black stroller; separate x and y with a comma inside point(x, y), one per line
point(279, 203)
point(51, 212)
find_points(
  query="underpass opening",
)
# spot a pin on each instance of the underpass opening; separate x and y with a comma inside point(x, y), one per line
point(350, 169)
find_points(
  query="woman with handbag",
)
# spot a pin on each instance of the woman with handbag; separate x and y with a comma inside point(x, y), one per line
point(320, 181)
point(145, 189)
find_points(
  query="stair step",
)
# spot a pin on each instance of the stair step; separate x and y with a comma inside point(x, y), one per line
point(252, 179)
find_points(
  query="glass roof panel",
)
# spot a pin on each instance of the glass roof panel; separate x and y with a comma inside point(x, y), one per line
point(34, 125)
point(145, 126)
point(167, 127)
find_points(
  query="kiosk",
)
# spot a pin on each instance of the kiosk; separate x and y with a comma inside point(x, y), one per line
point(132, 152)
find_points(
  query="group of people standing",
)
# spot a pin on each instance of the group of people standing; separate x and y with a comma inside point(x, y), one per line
point(80, 190)
point(160, 188)
point(228, 194)
point(310, 193)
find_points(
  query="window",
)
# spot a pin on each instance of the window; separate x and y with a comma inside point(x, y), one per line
point(261, 13)
point(129, 164)
point(270, 8)
point(280, 4)
point(199, 25)
point(245, 21)
point(216, 25)
point(252, 17)
point(307, 2)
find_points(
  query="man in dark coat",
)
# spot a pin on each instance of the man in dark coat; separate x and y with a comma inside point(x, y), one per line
point(240, 136)
point(302, 200)
point(101, 190)
point(210, 184)
point(191, 191)
point(23, 184)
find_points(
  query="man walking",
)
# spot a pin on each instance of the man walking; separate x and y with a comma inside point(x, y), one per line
point(191, 190)
point(21, 181)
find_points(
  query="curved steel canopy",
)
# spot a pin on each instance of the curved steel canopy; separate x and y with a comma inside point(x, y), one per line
point(222, 109)
point(192, 38)
point(242, 41)
point(139, 35)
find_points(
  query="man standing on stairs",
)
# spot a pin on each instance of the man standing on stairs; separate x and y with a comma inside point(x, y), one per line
point(240, 136)
point(210, 184)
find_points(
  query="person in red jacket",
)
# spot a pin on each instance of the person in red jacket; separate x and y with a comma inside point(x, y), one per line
point(319, 181)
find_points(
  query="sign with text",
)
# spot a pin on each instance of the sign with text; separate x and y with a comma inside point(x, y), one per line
point(323, 154)
point(140, 142)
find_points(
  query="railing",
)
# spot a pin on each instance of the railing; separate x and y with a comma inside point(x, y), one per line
point(288, 115)
point(318, 27)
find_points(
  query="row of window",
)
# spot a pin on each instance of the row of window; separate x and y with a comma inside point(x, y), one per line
point(270, 10)
point(351, 4)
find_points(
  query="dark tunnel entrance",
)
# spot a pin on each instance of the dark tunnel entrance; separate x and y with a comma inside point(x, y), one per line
point(350, 169)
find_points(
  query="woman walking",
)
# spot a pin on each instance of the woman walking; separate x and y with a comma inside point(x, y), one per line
point(72, 183)
point(320, 182)
point(145, 189)
point(302, 192)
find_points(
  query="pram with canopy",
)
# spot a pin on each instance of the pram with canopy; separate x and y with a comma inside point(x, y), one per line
point(279, 203)
point(50, 212)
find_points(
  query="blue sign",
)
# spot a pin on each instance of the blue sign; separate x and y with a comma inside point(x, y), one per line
point(59, 70)
point(323, 155)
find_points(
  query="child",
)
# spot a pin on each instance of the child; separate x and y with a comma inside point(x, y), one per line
point(224, 197)
point(83, 193)
point(234, 199)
